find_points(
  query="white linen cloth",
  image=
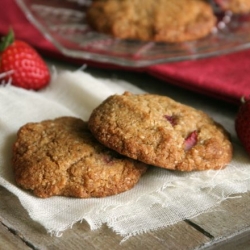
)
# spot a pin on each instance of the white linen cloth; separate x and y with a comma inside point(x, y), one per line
point(160, 199)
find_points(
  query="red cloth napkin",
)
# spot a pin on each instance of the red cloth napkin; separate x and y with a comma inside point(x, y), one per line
point(223, 77)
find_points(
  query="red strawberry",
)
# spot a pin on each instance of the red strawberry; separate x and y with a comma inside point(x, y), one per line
point(242, 124)
point(22, 65)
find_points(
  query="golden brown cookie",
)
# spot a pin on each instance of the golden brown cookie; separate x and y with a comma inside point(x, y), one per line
point(161, 20)
point(236, 6)
point(162, 132)
point(61, 157)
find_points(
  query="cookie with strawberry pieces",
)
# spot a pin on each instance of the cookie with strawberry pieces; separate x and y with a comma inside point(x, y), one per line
point(61, 157)
point(159, 131)
point(21, 65)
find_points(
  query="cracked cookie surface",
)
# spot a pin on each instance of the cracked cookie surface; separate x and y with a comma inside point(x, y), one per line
point(150, 20)
point(61, 157)
point(162, 132)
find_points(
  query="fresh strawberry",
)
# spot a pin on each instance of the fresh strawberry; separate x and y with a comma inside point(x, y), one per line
point(242, 124)
point(21, 65)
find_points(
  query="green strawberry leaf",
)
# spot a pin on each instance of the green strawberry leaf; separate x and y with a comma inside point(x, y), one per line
point(7, 40)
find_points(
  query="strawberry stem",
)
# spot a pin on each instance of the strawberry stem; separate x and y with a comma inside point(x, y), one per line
point(7, 40)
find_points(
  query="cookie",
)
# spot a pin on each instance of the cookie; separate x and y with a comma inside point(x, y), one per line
point(235, 6)
point(61, 157)
point(162, 132)
point(150, 20)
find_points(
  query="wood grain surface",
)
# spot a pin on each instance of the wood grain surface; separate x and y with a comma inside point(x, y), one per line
point(222, 226)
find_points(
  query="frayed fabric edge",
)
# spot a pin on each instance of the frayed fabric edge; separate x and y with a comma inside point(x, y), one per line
point(125, 235)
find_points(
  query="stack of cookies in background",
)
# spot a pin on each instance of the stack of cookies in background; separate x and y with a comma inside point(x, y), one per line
point(159, 21)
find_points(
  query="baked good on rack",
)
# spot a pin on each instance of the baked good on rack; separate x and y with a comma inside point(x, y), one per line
point(61, 157)
point(236, 6)
point(161, 20)
point(162, 132)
